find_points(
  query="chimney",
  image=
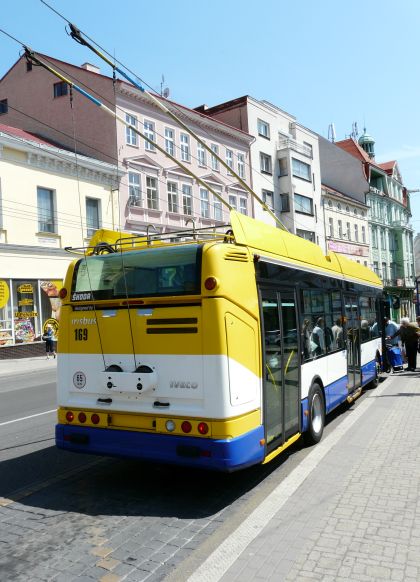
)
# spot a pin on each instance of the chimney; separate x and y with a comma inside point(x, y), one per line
point(91, 68)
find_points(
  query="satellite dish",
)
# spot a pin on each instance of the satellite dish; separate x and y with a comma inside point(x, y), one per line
point(166, 92)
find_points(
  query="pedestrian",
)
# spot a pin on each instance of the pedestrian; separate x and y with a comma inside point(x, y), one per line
point(391, 328)
point(49, 342)
point(409, 334)
point(318, 337)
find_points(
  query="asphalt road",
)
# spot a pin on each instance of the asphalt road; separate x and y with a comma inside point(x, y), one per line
point(70, 516)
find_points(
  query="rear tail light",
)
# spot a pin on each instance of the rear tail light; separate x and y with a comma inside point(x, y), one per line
point(82, 417)
point(62, 293)
point(203, 428)
point(69, 416)
point(186, 426)
point(210, 283)
point(95, 418)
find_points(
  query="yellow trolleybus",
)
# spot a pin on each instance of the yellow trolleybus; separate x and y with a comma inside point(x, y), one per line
point(211, 349)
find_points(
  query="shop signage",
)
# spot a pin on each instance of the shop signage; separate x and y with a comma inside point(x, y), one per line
point(4, 294)
point(349, 249)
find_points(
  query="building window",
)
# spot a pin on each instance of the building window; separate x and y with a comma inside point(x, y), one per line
point(338, 206)
point(348, 231)
point(46, 214)
point(172, 197)
point(268, 197)
point(60, 89)
point(201, 155)
point(187, 199)
point(243, 206)
point(283, 167)
point(376, 267)
point(331, 226)
point(149, 131)
point(265, 163)
point(263, 129)
point(355, 211)
point(310, 149)
point(384, 272)
point(363, 234)
point(284, 202)
point(4, 107)
point(214, 160)
point(383, 241)
point(374, 238)
point(301, 170)
point(217, 204)
point(92, 216)
point(229, 159)
point(340, 229)
point(185, 147)
point(330, 204)
point(134, 189)
point(241, 165)
point(204, 203)
point(347, 209)
point(303, 204)
point(356, 233)
point(170, 141)
point(152, 193)
point(306, 234)
point(233, 202)
point(130, 134)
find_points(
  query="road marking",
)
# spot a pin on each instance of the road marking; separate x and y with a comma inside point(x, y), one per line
point(219, 562)
point(27, 417)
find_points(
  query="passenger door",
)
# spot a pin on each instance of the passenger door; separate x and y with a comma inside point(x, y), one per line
point(354, 372)
point(281, 365)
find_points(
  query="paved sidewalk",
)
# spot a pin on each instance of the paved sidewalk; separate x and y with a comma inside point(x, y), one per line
point(349, 511)
point(25, 365)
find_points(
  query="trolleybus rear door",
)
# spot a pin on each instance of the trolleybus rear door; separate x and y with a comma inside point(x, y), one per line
point(281, 366)
point(354, 372)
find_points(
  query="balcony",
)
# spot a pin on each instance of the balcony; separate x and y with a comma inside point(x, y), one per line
point(376, 191)
point(401, 224)
point(288, 143)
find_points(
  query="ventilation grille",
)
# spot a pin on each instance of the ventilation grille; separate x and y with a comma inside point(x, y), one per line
point(236, 256)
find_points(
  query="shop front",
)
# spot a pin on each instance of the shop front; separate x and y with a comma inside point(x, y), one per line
point(27, 306)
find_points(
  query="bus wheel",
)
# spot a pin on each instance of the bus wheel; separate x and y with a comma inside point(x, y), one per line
point(375, 382)
point(316, 408)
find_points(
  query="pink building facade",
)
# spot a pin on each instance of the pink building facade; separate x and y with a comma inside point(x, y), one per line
point(154, 189)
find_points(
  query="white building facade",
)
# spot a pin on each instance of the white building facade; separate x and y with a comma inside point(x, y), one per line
point(49, 199)
point(285, 164)
point(346, 225)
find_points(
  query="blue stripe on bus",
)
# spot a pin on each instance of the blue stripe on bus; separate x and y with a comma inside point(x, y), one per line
point(336, 392)
point(225, 455)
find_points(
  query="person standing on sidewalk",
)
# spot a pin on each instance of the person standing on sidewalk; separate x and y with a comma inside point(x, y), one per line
point(49, 342)
point(409, 334)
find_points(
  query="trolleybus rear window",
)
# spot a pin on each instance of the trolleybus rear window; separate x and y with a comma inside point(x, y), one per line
point(144, 273)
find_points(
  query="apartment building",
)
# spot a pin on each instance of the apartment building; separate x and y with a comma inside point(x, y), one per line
point(391, 234)
point(284, 163)
point(156, 190)
point(345, 212)
point(50, 199)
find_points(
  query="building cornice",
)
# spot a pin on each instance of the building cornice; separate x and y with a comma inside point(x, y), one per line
point(188, 115)
point(59, 161)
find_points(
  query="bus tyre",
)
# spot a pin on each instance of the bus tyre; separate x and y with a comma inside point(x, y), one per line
point(316, 422)
point(375, 382)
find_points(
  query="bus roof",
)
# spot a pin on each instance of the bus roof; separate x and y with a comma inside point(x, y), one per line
point(296, 250)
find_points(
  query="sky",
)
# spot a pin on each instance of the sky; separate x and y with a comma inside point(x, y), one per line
point(323, 61)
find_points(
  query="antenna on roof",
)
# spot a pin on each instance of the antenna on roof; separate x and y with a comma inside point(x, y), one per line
point(354, 131)
point(164, 91)
point(331, 132)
